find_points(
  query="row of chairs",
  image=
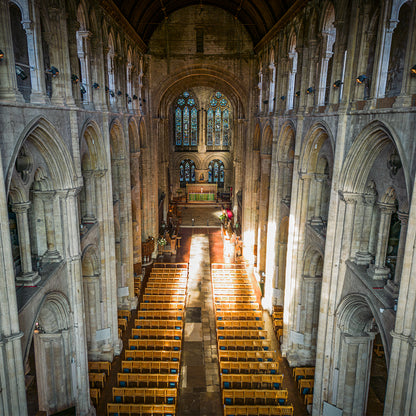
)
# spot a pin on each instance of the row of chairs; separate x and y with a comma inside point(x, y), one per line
point(304, 377)
point(149, 379)
point(250, 382)
point(98, 372)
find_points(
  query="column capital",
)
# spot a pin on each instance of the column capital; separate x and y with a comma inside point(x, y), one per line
point(21, 207)
point(386, 208)
point(403, 217)
point(350, 197)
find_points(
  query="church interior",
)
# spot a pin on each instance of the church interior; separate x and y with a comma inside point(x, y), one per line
point(205, 207)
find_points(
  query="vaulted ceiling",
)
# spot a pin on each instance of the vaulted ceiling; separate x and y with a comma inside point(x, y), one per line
point(258, 16)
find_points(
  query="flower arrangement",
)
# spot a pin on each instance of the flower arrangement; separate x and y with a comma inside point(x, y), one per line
point(162, 241)
point(222, 217)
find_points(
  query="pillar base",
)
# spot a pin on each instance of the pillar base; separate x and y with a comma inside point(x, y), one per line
point(378, 273)
point(363, 259)
point(51, 257)
point(301, 358)
point(392, 289)
point(28, 279)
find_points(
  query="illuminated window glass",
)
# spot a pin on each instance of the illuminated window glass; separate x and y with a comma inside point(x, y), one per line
point(218, 121)
point(194, 127)
point(216, 173)
point(186, 120)
point(186, 126)
point(186, 172)
point(210, 126)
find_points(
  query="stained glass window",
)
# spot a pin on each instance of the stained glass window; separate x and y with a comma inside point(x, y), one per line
point(210, 126)
point(218, 121)
point(186, 172)
point(186, 120)
point(218, 127)
point(216, 173)
point(186, 126)
point(194, 126)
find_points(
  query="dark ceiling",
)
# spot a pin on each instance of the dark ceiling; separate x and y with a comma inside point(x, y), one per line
point(258, 16)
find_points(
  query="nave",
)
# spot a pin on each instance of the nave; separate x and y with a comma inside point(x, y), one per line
point(198, 383)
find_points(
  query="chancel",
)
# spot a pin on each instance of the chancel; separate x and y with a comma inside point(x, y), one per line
point(206, 207)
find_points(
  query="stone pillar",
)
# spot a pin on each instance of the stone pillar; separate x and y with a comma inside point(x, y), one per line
point(384, 58)
point(37, 76)
point(312, 297)
point(363, 256)
point(83, 56)
point(8, 86)
point(13, 391)
point(354, 373)
point(90, 206)
point(79, 361)
point(265, 162)
point(379, 270)
point(317, 218)
point(52, 254)
point(28, 277)
point(394, 284)
point(91, 295)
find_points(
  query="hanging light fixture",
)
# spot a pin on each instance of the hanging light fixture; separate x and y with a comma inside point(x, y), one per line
point(361, 79)
point(74, 78)
point(310, 90)
point(96, 86)
point(53, 70)
point(297, 93)
point(337, 83)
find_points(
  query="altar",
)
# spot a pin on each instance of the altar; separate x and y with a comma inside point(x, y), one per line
point(201, 192)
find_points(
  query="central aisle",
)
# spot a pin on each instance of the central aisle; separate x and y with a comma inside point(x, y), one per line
point(200, 384)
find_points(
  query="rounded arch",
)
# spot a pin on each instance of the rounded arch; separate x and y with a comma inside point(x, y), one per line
point(313, 262)
point(267, 140)
point(92, 142)
point(54, 313)
point(314, 140)
point(134, 138)
point(46, 139)
point(206, 76)
point(366, 148)
point(117, 144)
point(91, 261)
point(286, 142)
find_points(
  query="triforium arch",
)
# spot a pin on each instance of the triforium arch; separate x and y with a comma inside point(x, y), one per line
point(53, 348)
point(356, 328)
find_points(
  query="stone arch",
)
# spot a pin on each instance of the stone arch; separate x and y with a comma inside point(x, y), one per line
point(313, 262)
point(117, 142)
point(82, 16)
point(45, 138)
point(267, 140)
point(365, 149)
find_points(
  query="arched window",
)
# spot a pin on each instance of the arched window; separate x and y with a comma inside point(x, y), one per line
point(186, 120)
point(216, 173)
point(218, 121)
point(293, 67)
point(186, 172)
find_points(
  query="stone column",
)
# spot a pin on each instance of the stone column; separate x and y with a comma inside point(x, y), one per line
point(28, 277)
point(363, 256)
point(52, 254)
point(394, 284)
point(91, 294)
point(384, 58)
point(311, 316)
point(379, 270)
point(354, 373)
point(79, 361)
point(13, 391)
point(37, 75)
point(316, 220)
point(90, 206)
point(83, 56)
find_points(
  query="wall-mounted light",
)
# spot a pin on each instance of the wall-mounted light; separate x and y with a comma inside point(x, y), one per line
point(74, 78)
point(82, 89)
point(119, 93)
point(337, 83)
point(20, 73)
point(107, 89)
point(265, 101)
point(361, 78)
point(53, 70)
point(1, 55)
point(310, 90)
point(283, 97)
point(111, 92)
point(128, 99)
point(412, 69)
point(135, 97)
point(96, 86)
point(297, 93)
